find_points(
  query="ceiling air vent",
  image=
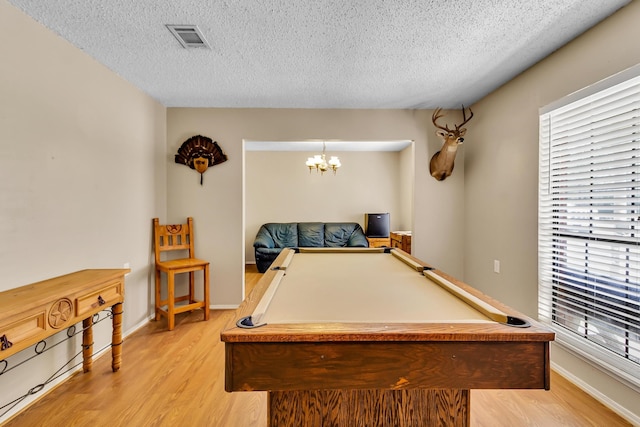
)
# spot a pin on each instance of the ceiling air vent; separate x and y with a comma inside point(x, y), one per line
point(189, 36)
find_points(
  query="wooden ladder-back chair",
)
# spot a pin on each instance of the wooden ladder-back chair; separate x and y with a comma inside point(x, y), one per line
point(178, 237)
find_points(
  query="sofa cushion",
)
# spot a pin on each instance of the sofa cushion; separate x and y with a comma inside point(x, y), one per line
point(311, 234)
point(277, 235)
point(337, 234)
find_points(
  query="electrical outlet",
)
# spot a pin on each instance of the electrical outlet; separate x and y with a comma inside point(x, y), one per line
point(496, 266)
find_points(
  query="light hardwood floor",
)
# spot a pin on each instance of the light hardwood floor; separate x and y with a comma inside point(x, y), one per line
point(177, 379)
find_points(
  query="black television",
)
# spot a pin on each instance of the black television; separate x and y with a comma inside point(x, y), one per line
point(376, 224)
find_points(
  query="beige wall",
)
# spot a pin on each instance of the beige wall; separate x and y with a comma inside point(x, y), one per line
point(279, 188)
point(218, 207)
point(406, 187)
point(501, 178)
point(82, 172)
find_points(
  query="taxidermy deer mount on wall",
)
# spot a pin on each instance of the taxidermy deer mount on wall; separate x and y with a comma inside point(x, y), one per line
point(441, 164)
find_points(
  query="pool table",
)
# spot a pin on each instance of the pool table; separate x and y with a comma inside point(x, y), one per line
point(374, 336)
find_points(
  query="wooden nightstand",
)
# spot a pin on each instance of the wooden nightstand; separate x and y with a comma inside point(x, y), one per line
point(379, 242)
point(402, 240)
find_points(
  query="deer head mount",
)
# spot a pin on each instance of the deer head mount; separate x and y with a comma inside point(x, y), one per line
point(441, 164)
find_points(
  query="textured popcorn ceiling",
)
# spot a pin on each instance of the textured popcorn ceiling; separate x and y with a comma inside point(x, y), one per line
point(320, 53)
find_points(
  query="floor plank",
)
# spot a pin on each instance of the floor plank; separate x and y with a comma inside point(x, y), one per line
point(177, 379)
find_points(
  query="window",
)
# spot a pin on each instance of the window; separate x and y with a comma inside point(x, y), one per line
point(589, 223)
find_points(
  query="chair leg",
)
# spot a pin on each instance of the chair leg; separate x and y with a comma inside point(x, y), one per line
point(206, 292)
point(158, 281)
point(192, 287)
point(171, 300)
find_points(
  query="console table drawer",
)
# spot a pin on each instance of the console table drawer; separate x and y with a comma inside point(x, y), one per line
point(21, 332)
point(107, 295)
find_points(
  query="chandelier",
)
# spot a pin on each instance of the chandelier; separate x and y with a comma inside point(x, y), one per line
point(320, 163)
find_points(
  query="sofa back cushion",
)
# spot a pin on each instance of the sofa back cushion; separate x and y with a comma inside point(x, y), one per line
point(311, 234)
point(277, 235)
point(341, 234)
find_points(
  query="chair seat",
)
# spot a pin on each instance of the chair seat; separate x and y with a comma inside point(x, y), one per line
point(181, 264)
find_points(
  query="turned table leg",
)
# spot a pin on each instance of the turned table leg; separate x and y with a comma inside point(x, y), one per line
point(116, 338)
point(87, 344)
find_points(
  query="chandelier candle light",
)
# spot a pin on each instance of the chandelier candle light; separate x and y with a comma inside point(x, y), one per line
point(319, 162)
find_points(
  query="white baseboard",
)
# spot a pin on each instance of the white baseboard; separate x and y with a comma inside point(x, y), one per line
point(600, 397)
point(224, 307)
point(138, 326)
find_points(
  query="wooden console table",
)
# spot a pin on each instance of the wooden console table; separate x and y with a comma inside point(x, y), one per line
point(31, 313)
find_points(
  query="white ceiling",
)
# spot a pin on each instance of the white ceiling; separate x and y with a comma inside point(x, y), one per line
point(397, 54)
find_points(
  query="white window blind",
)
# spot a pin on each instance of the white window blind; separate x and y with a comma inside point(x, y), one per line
point(589, 225)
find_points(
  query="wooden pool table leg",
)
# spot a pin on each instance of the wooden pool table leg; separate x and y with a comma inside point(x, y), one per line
point(359, 408)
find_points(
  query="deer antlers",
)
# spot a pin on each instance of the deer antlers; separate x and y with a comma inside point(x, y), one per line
point(442, 162)
point(436, 115)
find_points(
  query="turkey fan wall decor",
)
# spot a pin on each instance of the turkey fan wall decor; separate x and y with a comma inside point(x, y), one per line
point(200, 152)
